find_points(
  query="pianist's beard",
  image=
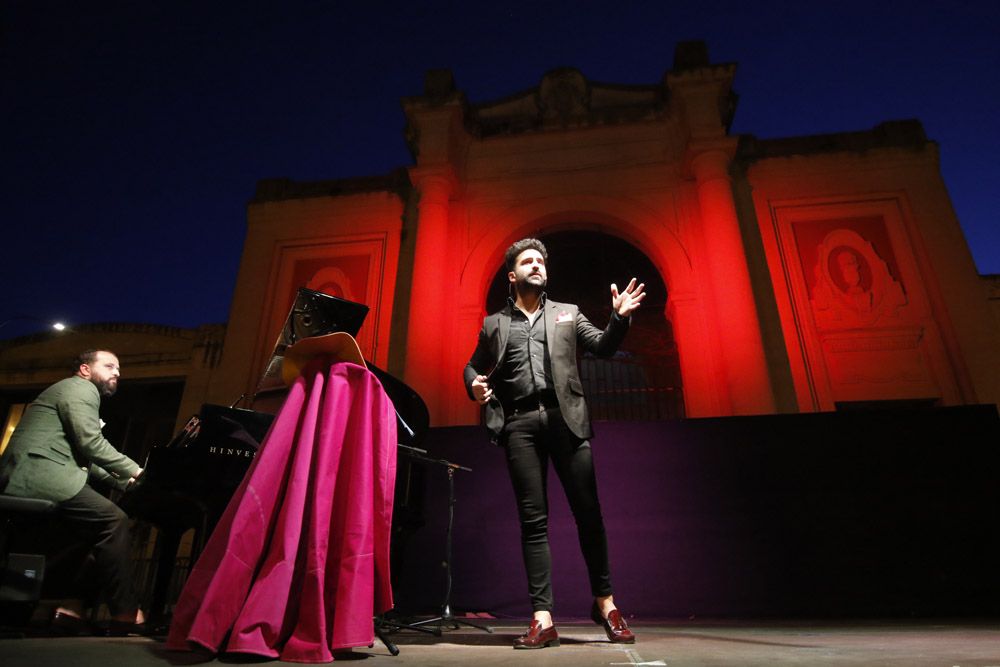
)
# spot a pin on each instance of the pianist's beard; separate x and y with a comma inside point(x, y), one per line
point(107, 387)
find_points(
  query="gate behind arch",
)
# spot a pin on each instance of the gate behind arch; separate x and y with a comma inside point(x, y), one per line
point(643, 380)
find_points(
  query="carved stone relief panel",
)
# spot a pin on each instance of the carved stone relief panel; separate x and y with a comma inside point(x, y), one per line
point(859, 306)
point(852, 284)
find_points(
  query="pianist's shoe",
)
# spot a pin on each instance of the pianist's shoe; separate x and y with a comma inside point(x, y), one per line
point(66, 623)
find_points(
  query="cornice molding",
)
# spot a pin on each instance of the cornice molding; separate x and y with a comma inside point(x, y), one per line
point(283, 189)
point(906, 134)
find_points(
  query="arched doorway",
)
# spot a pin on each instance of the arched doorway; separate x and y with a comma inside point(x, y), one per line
point(643, 380)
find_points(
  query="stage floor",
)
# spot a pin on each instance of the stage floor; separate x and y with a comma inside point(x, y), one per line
point(772, 643)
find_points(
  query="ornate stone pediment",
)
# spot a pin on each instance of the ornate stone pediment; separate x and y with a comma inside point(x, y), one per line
point(565, 97)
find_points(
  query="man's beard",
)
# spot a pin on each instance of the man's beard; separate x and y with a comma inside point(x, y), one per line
point(106, 388)
point(528, 286)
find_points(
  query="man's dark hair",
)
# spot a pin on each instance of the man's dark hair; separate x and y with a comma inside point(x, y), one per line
point(87, 357)
point(520, 246)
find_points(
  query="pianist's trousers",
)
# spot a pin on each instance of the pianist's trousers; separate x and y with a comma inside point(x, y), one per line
point(533, 437)
point(99, 523)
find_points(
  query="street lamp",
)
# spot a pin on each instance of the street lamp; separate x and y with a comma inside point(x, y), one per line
point(57, 325)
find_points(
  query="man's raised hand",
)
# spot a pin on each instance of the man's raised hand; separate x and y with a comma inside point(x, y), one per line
point(626, 302)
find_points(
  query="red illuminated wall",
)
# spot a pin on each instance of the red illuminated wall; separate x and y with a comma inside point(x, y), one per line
point(802, 274)
point(346, 243)
point(825, 297)
point(860, 303)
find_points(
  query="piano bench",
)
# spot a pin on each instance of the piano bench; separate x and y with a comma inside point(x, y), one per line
point(15, 505)
point(21, 574)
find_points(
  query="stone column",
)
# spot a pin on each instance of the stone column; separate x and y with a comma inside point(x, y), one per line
point(736, 319)
point(435, 277)
point(703, 397)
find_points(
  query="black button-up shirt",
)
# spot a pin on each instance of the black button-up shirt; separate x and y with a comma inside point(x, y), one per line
point(526, 369)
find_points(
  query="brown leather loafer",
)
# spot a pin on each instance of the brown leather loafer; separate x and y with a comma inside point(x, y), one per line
point(614, 625)
point(535, 637)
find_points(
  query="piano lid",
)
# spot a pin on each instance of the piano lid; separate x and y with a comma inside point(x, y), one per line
point(313, 314)
point(318, 314)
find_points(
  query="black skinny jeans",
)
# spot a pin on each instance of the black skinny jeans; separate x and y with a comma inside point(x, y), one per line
point(532, 438)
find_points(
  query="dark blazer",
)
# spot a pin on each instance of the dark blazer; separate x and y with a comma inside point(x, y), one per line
point(565, 329)
point(58, 444)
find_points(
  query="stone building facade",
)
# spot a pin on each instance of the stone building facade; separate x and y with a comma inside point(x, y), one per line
point(799, 274)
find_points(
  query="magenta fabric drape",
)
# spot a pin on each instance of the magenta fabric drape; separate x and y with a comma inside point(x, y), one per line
point(299, 562)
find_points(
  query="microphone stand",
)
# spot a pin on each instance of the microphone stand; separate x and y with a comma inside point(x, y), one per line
point(446, 616)
point(385, 625)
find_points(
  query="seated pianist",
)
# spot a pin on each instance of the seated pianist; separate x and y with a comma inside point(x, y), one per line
point(55, 454)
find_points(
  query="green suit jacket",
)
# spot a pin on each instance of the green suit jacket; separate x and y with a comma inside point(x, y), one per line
point(58, 444)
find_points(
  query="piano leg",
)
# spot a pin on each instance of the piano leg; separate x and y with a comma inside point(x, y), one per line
point(167, 542)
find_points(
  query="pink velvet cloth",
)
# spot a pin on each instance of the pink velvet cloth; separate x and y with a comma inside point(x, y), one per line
point(299, 562)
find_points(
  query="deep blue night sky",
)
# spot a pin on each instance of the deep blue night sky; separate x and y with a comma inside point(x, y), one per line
point(134, 133)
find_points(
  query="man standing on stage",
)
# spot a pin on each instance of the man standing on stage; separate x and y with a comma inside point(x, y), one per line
point(524, 372)
point(57, 446)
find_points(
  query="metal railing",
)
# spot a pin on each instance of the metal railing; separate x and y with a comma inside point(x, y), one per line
point(628, 388)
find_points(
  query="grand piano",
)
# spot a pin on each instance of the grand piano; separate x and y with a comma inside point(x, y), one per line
point(188, 482)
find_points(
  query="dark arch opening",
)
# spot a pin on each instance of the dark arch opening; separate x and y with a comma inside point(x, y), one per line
point(643, 380)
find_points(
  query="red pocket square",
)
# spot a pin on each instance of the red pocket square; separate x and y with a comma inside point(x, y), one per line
point(563, 317)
